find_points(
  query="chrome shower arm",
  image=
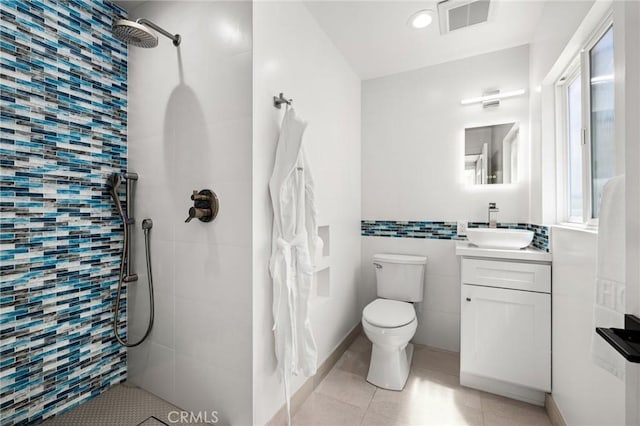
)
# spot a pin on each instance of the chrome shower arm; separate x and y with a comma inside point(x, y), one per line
point(175, 38)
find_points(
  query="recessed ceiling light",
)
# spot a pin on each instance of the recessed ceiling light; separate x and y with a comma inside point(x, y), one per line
point(421, 19)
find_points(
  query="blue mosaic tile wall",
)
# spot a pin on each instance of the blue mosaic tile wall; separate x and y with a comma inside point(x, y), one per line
point(63, 130)
point(444, 230)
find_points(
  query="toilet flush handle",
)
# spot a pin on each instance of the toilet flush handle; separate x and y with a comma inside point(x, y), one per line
point(377, 265)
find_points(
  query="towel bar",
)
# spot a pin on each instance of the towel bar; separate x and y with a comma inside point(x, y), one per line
point(624, 340)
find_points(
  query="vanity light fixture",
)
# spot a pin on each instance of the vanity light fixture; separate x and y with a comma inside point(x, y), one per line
point(493, 98)
point(421, 19)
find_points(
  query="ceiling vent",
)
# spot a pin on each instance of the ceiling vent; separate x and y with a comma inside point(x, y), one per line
point(457, 14)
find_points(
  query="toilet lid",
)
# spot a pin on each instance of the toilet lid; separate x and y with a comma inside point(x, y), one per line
point(389, 313)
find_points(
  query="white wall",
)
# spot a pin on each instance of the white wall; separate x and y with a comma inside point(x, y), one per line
point(559, 22)
point(412, 169)
point(585, 393)
point(627, 21)
point(439, 313)
point(413, 140)
point(190, 128)
point(293, 55)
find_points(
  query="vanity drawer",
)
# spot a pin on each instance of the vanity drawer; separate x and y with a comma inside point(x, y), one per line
point(514, 275)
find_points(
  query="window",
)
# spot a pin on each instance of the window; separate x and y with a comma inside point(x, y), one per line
point(586, 129)
point(603, 165)
point(574, 142)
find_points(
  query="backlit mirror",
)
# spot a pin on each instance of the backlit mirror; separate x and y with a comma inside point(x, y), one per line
point(491, 154)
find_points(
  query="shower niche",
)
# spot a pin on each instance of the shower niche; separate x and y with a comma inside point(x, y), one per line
point(322, 274)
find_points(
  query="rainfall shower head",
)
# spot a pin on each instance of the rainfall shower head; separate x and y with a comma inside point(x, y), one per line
point(138, 34)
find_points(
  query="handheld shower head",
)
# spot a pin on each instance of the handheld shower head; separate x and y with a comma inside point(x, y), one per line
point(138, 34)
point(114, 181)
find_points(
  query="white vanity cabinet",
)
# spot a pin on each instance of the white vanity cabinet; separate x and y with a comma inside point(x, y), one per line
point(506, 335)
point(505, 328)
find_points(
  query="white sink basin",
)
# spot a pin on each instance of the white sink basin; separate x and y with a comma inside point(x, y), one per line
point(500, 237)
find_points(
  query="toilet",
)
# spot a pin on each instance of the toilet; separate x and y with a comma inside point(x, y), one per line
point(390, 320)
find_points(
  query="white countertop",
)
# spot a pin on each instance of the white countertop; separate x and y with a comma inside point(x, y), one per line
point(465, 248)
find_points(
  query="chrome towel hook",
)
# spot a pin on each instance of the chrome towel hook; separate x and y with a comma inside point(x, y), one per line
point(279, 100)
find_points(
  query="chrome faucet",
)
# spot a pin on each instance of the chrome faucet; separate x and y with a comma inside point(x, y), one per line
point(493, 215)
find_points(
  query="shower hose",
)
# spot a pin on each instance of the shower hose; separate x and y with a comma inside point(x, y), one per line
point(146, 226)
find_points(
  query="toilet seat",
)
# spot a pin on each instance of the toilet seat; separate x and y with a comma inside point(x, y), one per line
point(387, 313)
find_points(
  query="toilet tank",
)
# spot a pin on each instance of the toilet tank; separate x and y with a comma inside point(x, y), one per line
point(400, 276)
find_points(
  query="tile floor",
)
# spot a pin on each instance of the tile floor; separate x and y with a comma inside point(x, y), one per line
point(122, 405)
point(432, 396)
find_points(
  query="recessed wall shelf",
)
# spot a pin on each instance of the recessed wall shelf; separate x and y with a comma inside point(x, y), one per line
point(322, 264)
point(322, 272)
point(324, 234)
point(323, 280)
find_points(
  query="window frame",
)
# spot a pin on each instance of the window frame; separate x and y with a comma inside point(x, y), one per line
point(573, 72)
point(579, 67)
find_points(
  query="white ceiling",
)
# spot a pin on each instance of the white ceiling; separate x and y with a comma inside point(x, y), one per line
point(375, 39)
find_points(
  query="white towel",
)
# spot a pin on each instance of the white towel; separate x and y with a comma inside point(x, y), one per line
point(609, 307)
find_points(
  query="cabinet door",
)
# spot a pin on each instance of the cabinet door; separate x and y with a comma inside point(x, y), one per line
point(506, 335)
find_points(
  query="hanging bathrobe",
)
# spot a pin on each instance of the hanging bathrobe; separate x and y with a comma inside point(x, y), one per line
point(294, 246)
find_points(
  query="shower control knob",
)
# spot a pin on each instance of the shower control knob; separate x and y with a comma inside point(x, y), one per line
point(205, 206)
point(197, 213)
point(198, 196)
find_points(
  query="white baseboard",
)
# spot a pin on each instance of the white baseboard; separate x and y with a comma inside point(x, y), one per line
point(553, 411)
